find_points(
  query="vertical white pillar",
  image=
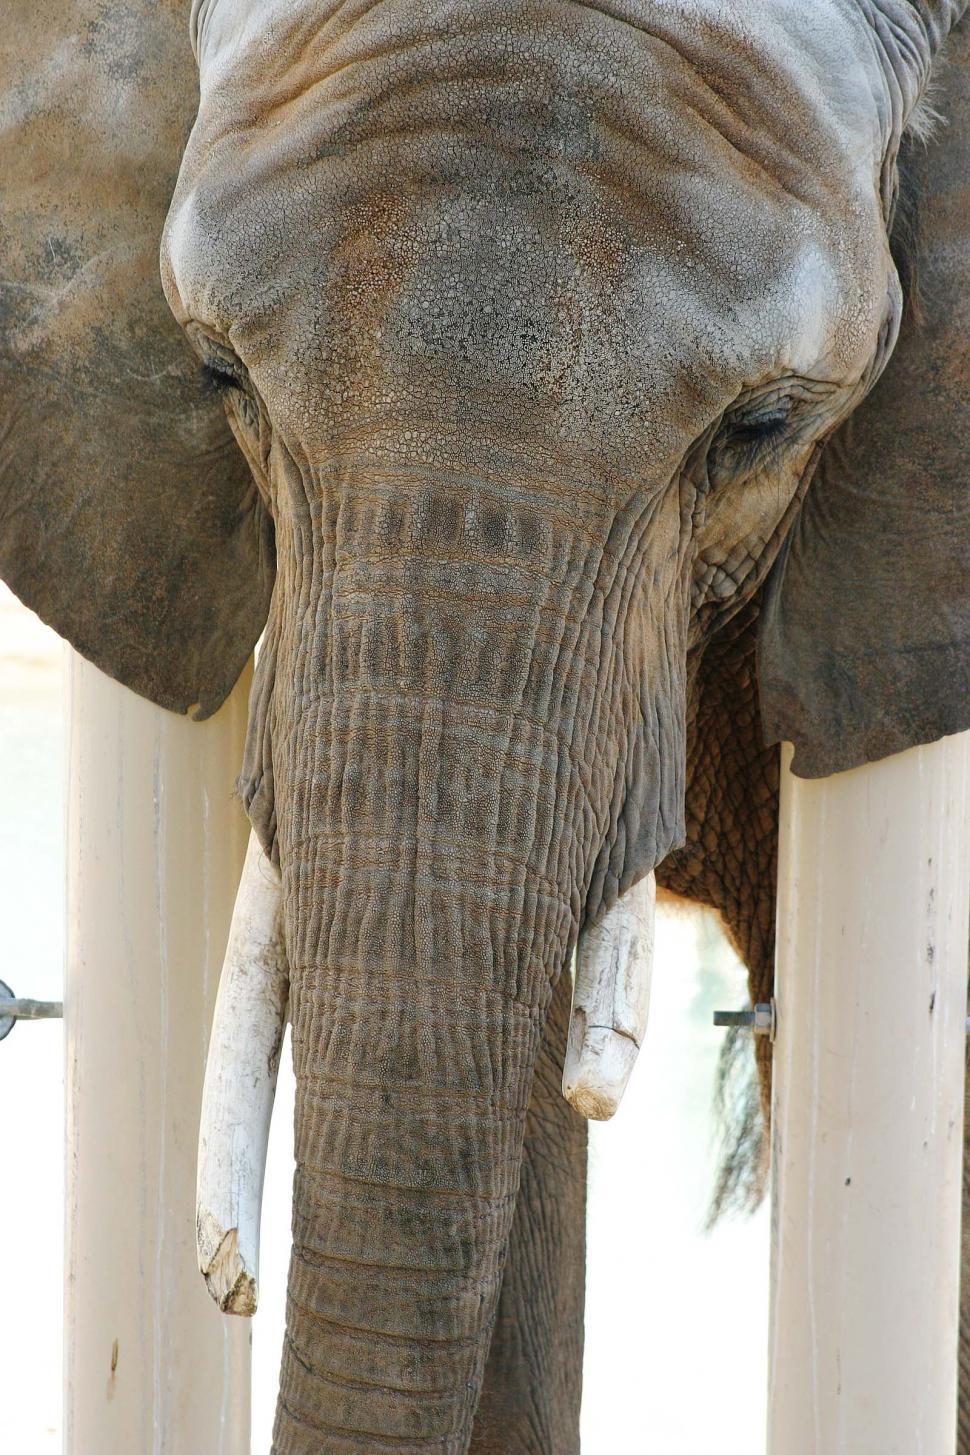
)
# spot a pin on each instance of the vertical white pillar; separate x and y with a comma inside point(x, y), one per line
point(874, 880)
point(155, 845)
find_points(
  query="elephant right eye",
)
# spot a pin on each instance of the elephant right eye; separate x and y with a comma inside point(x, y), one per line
point(221, 369)
point(219, 378)
point(222, 376)
point(223, 373)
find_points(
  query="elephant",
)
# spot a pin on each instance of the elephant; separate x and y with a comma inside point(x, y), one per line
point(524, 373)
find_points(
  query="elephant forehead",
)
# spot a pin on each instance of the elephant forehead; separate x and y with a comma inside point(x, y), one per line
point(547, 198)
point(799, 98)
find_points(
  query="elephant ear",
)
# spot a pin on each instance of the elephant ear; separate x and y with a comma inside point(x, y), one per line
point(128, 518)
point(865, 634)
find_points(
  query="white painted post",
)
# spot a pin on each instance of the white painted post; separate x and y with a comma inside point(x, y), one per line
point(155, 845)
point(874, 882)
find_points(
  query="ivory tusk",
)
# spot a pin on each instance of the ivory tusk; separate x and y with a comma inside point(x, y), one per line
point(239, 1088)
point(611, 1000)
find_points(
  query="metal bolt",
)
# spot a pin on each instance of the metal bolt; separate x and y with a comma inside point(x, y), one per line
point(760, 1020)
point(12, 1010)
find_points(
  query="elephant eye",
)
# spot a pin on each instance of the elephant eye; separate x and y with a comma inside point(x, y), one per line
point(747, 440)
point(223, 373)
point(222, 376)
point(757, 428)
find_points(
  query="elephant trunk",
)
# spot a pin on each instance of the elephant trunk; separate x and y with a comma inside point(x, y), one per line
point(427, 917)
point(409, 1122)
point(441, 661)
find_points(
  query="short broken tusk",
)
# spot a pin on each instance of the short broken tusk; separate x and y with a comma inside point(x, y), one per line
point(240, 1085)
point(611, 1000)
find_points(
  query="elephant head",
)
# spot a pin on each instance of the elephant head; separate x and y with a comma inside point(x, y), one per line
point(531, 321)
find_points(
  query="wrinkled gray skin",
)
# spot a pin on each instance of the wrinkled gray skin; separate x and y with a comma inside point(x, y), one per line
point(531, 319)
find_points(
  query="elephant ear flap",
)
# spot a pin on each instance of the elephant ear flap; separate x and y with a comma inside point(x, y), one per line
point(128, 518)
point(865, 635)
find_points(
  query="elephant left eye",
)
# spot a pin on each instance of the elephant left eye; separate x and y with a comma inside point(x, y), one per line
point(749, 433)
point(748, 439)
point(756, 429)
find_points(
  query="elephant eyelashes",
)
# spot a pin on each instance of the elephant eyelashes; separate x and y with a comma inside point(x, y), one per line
point(747, 441)
point(220, 377)
point(756, 429)
point(225, 378)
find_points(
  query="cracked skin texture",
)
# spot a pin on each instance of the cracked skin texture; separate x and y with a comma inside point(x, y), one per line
point(531, 320)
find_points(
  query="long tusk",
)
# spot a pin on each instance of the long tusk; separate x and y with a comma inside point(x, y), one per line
point(611, 1000)
point(240, 1085)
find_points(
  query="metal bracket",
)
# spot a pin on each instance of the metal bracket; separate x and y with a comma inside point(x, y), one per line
point(761, 1020)
point(13, 1010)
